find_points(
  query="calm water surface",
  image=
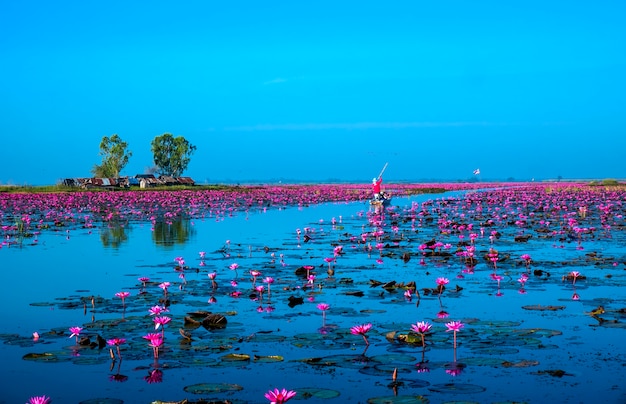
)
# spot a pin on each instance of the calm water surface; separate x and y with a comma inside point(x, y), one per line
point(69, 266)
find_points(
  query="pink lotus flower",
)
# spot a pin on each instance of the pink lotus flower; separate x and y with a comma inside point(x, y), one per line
point(157, 310)
point(75, 332)
point(39, 400)
point(323, 306)
point(408, 295)
point(361, 330)
point(164, 286)
point(155, 341)
point(161, 321)
point(279, 396)
point(269, 280)
point(123, 296)
point(422, 328)
point(117, 342)
point(441, 282)
point(454, 326)
point(233, 267)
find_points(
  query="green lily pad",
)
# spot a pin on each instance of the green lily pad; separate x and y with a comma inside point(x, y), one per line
point(305, 393)
point(235, 357)
point(393, 358)
point(48, 357)
point(268, 358)
point(208, 388)
point(102, 401)
point(484, 361)
point(398, 400)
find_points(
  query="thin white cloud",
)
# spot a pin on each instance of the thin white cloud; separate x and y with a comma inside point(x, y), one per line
point(277, 80)
point(357, 126)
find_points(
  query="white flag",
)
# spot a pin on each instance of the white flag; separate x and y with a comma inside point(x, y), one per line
point(477, 171)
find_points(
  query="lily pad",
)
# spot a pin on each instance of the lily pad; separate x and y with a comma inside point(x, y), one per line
point(268, 358)
point(235, 357)
point(208, 388)
point(305, 393)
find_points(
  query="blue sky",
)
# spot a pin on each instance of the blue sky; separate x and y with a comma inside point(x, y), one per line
point(312, 91)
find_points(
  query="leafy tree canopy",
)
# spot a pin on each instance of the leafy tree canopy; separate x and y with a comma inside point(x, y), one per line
point(115, 156)
point(171, 154)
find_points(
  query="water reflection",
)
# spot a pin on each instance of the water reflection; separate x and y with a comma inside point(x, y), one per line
point(171, 232)
point(113, 234)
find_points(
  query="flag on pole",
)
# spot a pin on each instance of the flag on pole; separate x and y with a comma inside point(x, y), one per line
point(477, 171)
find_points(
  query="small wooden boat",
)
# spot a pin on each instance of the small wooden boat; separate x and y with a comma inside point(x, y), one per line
point(384, 201)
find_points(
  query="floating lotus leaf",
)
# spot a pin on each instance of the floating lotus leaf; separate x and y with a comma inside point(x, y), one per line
point(207, 388)
point(386, 370)
point(398, 400)
point(371, 311)
point(18, 340)
point(202, 401)
point(304, 393)
point(538, 331)
point(321, 341)
point(394, 358)
point(459, 388)
point(495, 350)
point(483, 361)
point(233, 357)
point(268, 358)
point(495, 324)
point(48, 357)
point(611, 324)
point(195, 360)
point(543, 308)
point(408, 338)
point(266, 338)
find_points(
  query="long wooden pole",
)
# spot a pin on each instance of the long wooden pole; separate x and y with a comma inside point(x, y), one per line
point(384, 168)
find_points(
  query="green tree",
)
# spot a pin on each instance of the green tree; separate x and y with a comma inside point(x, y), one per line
point(115, 156)
point(171, 154)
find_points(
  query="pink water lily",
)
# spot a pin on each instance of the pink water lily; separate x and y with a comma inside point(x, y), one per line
point(123, 296)
point(362, 330)
point(441, 283)
point(161, 321)
point(39, 400)
point(164, 286)
point(454, 326)
point(157, 310)
point(155, 341)
point(117, 342)
point(75, 332)
point(422, 328)
point(279, 396)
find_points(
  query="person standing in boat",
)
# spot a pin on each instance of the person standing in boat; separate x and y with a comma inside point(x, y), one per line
point(376, 185)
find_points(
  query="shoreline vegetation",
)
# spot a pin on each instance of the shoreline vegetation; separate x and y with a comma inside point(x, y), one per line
point(410, 188)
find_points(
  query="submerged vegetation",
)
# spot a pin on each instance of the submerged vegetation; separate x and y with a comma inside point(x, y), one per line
point(418, 302)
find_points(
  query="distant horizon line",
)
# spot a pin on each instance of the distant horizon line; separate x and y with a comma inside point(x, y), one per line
point(339, 181)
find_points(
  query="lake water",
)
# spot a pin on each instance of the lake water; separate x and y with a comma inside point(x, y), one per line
point(510, 349)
